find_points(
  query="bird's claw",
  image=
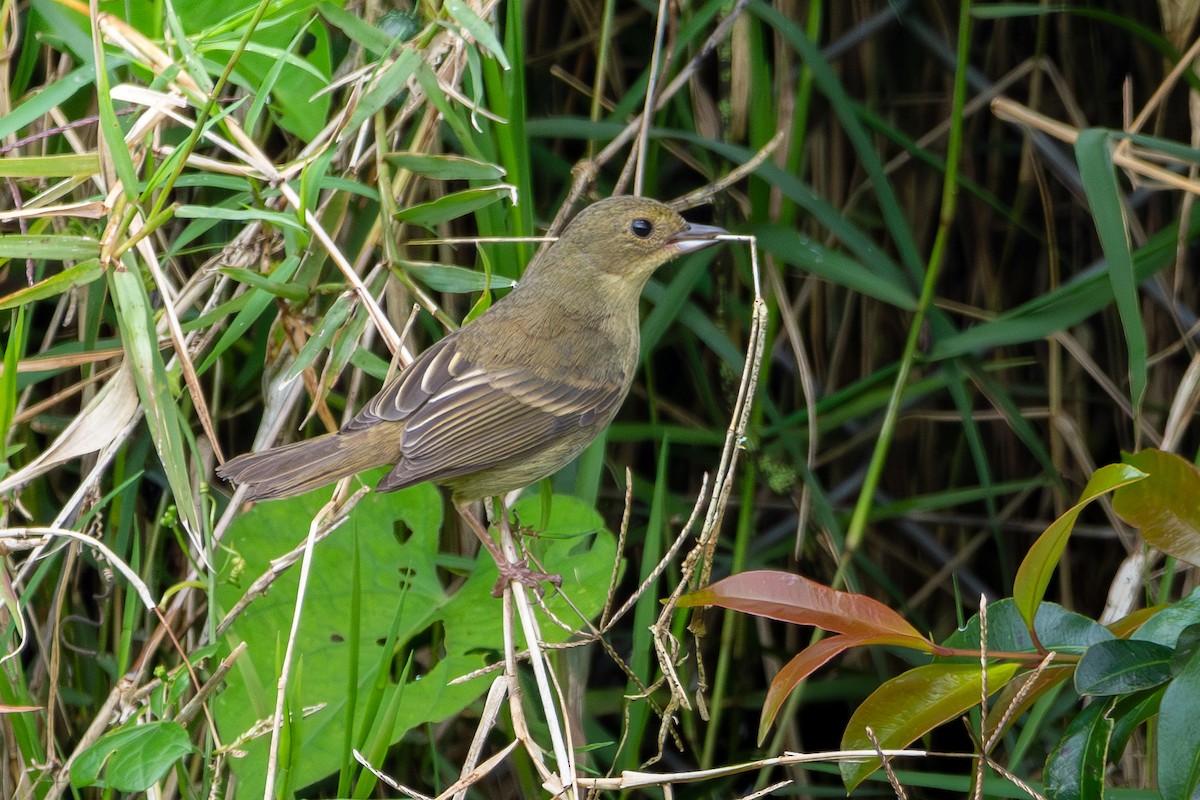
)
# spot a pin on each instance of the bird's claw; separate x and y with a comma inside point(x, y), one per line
point(520, 572)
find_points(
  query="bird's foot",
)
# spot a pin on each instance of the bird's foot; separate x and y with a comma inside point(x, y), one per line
point(520, 572)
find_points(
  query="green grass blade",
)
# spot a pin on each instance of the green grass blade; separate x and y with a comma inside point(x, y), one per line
point(1093, 151)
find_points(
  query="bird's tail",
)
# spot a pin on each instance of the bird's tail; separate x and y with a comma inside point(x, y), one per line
point(300, 467)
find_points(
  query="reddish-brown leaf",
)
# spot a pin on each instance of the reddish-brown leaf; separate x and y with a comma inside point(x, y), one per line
point(793, 598)
point(800, 667)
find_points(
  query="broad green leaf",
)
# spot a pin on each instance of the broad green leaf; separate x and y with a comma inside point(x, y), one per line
point(1058, 629)
point(401, 25)
point(1188, 644)
point(1033, 576)
point(912, 704)
point(453, 206)
point(793, 598)
point(446, 167)
point(81, 274)
point(1166, 625)
point(132, 759)
point(1130, 713)
point(1093, 152)
point(1122, 666)
point(1166, 506)
point(1075, 767)
point(1179, 734)
point(1067, 631)
point(402, 572)
point(51, 246)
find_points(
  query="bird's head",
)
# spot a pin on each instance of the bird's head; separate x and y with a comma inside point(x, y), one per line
point(622, 240)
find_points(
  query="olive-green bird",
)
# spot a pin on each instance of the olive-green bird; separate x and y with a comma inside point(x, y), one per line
point(514, 395)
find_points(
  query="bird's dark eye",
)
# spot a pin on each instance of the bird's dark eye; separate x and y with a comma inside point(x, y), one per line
point(642, 228)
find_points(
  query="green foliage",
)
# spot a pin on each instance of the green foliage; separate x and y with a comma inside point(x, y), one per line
point(1123, 676)
point(132, 759)
point(402, 593)
point(1033, 577)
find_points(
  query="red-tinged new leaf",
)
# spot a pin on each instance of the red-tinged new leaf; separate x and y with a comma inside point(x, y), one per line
point(792, 598)
point(800, 667)
point(910, 705)
point(1165, 507)
point(1033, 576)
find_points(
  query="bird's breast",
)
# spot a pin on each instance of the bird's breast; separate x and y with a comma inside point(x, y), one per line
point(557, 340)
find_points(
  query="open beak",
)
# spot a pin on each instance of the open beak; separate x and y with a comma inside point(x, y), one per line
point(696, 237)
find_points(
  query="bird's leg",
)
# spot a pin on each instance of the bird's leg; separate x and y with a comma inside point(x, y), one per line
point(541, 577)
point(509, 570)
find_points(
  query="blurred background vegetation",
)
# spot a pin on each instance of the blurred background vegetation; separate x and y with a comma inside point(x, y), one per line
point(170, 298)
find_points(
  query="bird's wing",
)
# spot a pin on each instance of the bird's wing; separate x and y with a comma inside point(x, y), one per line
point(459, 419)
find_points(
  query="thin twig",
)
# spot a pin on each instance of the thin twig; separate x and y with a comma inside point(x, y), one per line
point(660, 26)
point(533, 638)
point(634, 779)
point(886, 763)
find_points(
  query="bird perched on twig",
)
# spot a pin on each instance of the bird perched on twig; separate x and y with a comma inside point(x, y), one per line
point(517, 393)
